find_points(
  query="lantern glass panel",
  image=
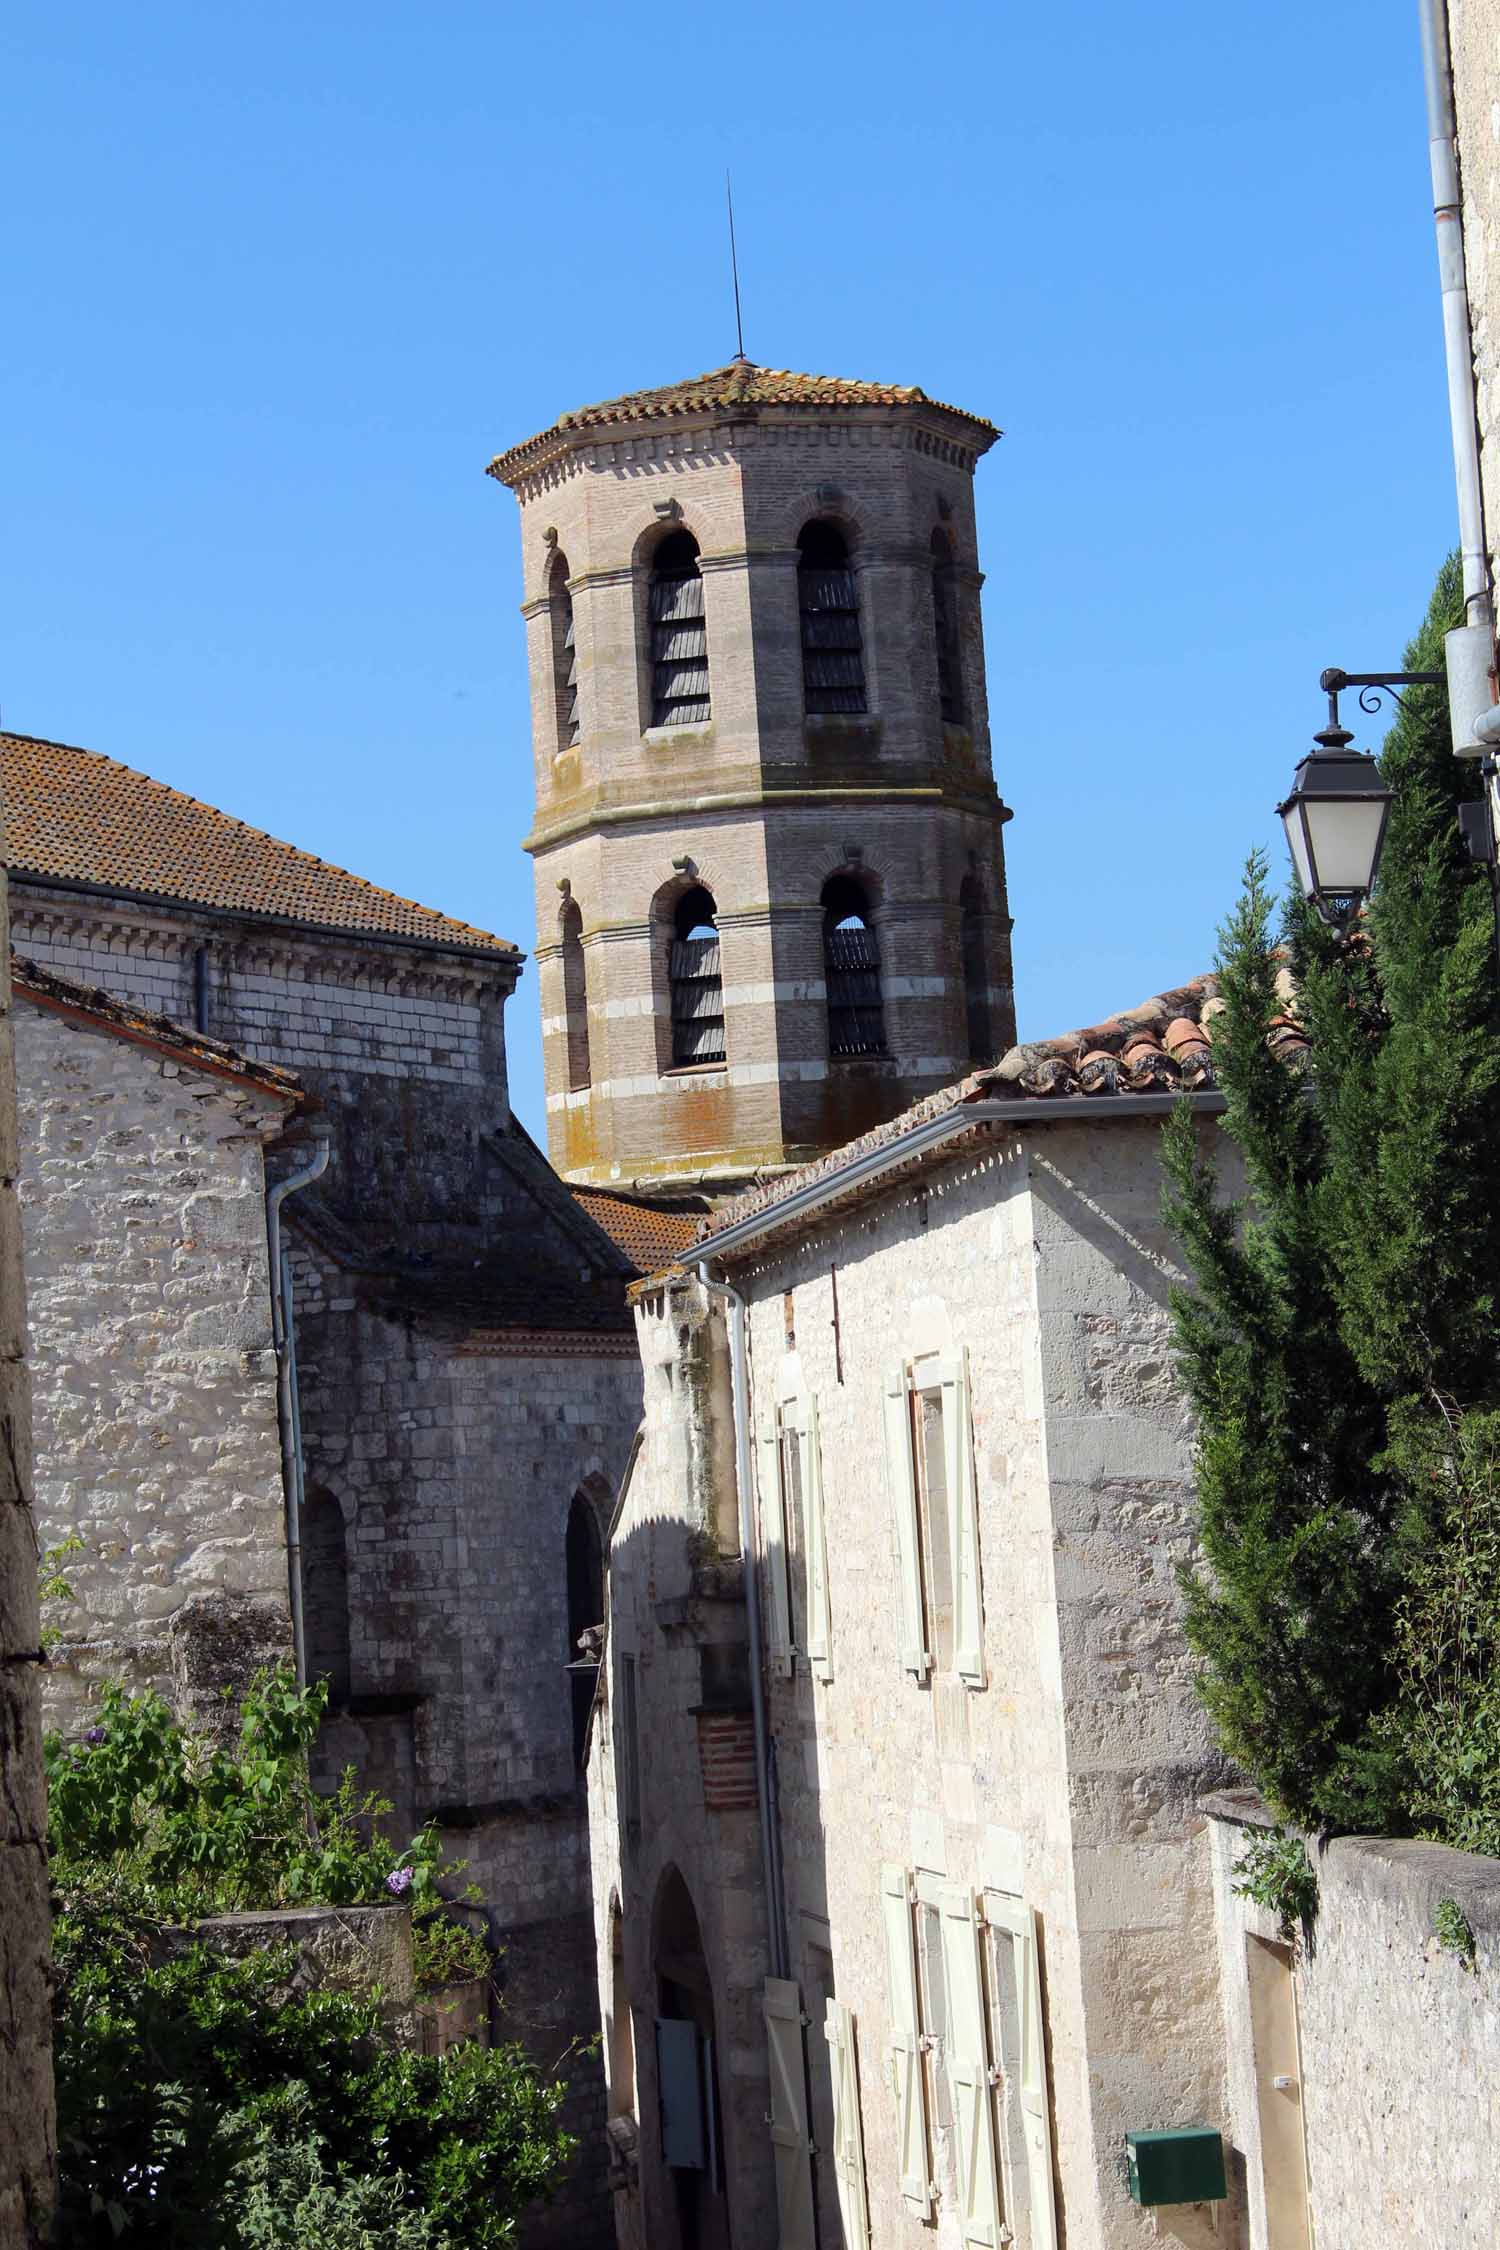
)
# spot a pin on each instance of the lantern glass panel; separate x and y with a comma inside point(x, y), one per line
point(1343, 838)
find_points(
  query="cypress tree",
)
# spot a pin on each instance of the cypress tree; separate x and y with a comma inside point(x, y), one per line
point(1338, 1344)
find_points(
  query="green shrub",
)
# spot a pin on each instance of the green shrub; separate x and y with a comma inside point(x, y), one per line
point(1275, 1871)
point(1454, 1930)
point(205, 2103)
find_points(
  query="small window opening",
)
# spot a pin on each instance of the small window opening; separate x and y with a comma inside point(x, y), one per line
point(564, 655)
point(696, 981)
point(945, 630)
point(976, 971)
point(851, 969)
point(833, 665)
point(628, 1753)
point(575, 997)
point(584, 1561)
point(679, 635)
point(932, 1509)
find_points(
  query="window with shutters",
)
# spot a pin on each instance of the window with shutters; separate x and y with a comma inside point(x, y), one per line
point(833, 665)
point(575, 996)
point(679, 635)
point(930, 1463)
point(564, 653)
point(1018, 2048)
point(794, 1543)
point(976, 970)
point(851, 969)
point(695, 981)
point(945, 631)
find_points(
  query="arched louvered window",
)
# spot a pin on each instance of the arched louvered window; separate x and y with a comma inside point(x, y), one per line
point(945, 631)
point(851, 969)
point(696, 982)
point(564, 653)
point(833, 665)
point(679, 635)
point(575, 997)
point(976, 970)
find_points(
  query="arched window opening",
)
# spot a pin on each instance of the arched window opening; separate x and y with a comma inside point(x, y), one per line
point(679, 635)
point(325, 1592)
point(621, 2028)
point(690, 2120)
point(851, 969)
point(585, 1573)
point(945, 631)
point(575, 997)
point(564, 653)
point(696, 981)
point(976, 972)
point(833, 665)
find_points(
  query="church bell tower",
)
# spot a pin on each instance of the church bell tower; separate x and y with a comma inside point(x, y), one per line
point(770, 879)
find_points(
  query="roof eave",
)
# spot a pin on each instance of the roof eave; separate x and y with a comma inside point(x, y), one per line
point(869, 1173)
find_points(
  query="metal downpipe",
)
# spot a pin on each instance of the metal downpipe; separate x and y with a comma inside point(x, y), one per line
point(1447, 207)
point(770, 1837)
point(288, 1413)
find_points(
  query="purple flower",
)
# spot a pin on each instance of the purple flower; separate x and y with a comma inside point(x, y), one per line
point(398, 1882)
point(94, 1737)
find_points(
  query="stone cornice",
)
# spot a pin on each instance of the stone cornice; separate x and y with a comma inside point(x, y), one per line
point(981, 800)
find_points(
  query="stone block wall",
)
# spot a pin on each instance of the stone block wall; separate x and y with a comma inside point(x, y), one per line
point(403, 1047)
point(28, 2131)
point(1375, 2119)
point(1474, 41)
point(143, 1204)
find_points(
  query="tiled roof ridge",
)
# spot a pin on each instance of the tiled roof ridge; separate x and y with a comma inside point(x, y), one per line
point(36, 982)
point(739, 383)
point(445, 929)
point(1163, 1045)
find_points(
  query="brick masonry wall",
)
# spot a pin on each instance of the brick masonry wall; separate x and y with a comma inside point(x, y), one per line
point(143, 1202)
point(763, 802)
point(1398, 2050)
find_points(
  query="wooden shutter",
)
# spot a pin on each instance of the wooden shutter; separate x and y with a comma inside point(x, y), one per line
point(906, 2042)
point(773, 1549)
point(791, 2143)
point(684, 2143)
point(911, 1621)
point(963, 1522)
point(1012, 1918)
point(968, 2064)
point(819, 1608)
point(848, 2129)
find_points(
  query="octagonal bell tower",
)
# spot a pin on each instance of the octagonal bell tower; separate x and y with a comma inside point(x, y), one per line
point(770, 880)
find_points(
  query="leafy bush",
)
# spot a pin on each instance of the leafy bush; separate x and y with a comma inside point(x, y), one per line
point(1275, 1871)
point(444, 1951)
point(1454, 1931)
point(208, 2102)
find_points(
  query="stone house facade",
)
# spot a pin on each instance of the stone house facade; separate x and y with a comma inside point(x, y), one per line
point(142, 1187)
point(466, 1386)
point(770, 882)
point(951, 1930)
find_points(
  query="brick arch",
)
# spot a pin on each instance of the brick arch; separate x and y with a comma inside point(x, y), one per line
point(832, 861)
point(677, 885)
point(652, 535)
point(806, 508)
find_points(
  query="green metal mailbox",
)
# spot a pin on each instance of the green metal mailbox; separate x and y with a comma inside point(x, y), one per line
point(1185, 2165)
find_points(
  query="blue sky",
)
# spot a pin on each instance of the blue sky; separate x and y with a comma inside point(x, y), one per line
point(280, 281)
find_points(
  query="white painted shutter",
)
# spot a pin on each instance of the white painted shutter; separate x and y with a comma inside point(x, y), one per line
point(773, 1548)
point(911, 1622)
point(680, 2091)
point(848, 2130)
point(1013, 1916)
point(790, 2141)
point(819, 1607)
point(963, 1522)
point(969, 2073)
point(906, 2041)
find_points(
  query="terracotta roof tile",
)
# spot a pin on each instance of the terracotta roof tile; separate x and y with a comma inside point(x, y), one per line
point(86, 1003)
point(1144, 1050)
point(651, 1234)
point(741, 387)
point(82, 818)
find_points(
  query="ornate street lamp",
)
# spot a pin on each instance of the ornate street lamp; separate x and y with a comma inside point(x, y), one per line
point(1335, 816)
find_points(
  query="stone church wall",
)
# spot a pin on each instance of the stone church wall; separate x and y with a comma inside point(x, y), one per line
point(143, 1204)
